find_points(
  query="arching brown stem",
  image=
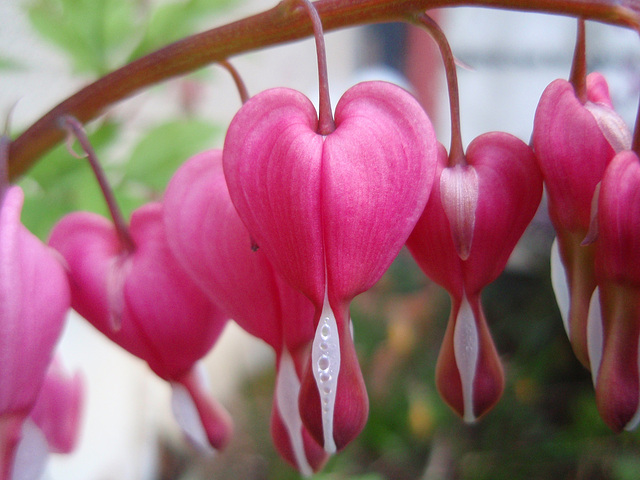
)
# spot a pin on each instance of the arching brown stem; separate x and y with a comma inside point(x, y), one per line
point(275, 26)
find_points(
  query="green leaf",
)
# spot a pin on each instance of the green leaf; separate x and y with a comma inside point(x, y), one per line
point(164, 148)
point(172, 21)
point(94, 33)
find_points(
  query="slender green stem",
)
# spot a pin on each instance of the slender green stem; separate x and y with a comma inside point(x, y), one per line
point(578, 76)
point(456, 152)
point(75, 128)
point(278, 25)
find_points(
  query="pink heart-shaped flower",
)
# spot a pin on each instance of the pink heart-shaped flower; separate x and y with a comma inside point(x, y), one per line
point(161, 315)
point(331, 213)
point(475, 216)
point(211, 242)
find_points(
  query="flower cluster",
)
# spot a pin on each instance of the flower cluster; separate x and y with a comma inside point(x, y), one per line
point(300, 212)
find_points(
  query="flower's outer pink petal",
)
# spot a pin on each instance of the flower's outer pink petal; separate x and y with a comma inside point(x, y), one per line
point(510, 189)
point(58, 409)
point(618, 273)
point(378, 168)
point(34, 299)
point(179, 321)
point(572, 153)
point(469, 374)
point(431, 243)
point(90, 247)
point(211, 242)
point(272, 164)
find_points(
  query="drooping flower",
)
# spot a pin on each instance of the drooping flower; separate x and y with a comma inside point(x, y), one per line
point(34, 299)
point(331, 212)
point(574, 142)
point(475, 215)
point(145, 302)
point(209, 239)
point(616, 349)
point(53, 425)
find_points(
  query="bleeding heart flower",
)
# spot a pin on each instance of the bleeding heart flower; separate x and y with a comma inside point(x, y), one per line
point(617, 266)
point(34, 299)
point(574, 142)
point(475, 216)
point(53, 425)
point(211, 242)
point(331, 212)
point(145, 302)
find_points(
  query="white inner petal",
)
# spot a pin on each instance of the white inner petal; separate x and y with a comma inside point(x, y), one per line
point(560, 285)
point(466, 349)
point(612, 126)
point(459, 197)
point(325, 363)
point(31, 455)
point(186, 413)
point(287, 391)
point(595, 335)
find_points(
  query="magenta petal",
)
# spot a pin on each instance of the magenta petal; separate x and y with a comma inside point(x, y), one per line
point(378, 168)
point(209, 239)
point(469, 375)
point(431, 242)
point(617, 259)
point(58, 408)
point(571, 150)
point(272, 164)
point(510, 189)
point(179, 320)
point(34, 298)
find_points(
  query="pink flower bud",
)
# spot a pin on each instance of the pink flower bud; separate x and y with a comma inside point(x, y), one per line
point(618, 273)
point(573, 144)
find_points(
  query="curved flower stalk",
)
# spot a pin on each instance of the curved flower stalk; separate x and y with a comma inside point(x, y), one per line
point(574, 141)
point(330, 203)
point(475, 216)
point(34, 300)
point(145, 302)
point(617, 268)
point(209, 239)
point(53, 425)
